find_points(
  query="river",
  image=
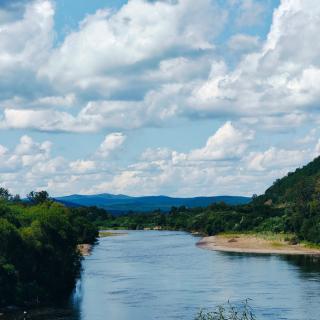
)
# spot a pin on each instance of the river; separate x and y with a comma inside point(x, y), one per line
point(148, 275)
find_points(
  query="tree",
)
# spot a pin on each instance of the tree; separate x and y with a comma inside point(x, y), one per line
point(16, 198)
point(38, 197)
point(4, 194)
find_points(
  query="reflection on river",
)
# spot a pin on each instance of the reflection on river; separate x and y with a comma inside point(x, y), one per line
point(163, 275)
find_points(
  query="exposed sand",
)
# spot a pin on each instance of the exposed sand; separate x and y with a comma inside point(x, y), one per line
point(85, 249)
point(253, 244)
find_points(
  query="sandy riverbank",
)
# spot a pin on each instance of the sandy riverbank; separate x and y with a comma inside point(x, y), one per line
point(253, 244)
point(85, 249)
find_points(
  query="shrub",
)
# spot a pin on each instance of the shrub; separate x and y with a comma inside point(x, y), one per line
point(228, 312)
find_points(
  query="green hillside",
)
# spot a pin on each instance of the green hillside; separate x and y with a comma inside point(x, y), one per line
point(300, 186)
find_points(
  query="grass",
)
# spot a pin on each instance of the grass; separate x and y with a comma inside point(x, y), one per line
point(276, 244)
point(310, 245)
point(270, 236)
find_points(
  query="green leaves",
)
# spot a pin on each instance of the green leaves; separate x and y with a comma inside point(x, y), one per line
point(228, 312)
point(39, 261)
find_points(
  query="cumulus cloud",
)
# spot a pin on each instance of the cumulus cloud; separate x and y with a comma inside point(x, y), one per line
point(227, 143)
point(43, 120)
point(149, 61)
point(118, 65)
point(142, 63)
point(25, 155)
point(30, 165)
point(140, 31)
point(280, 78)
point(25, 45)
point(243, 42)
point(275, 158)
point(112, 142)
point(82, 166)
point(187, 178)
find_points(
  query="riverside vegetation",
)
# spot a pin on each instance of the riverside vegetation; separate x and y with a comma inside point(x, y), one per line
point(39, 260)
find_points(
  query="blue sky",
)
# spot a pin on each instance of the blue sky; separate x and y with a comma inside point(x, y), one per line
point(157, 97)
point(70, 13)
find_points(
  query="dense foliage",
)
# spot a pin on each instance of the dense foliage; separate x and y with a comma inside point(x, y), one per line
point(211, 220)
point(303, 185)
point(298, 194)
point(39, 260)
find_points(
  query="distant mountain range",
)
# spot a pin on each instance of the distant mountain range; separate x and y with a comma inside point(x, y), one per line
point(119, 204)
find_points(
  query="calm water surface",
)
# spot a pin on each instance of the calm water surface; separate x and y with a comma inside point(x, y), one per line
point(148, 275)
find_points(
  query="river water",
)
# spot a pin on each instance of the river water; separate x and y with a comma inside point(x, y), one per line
point(148, 275)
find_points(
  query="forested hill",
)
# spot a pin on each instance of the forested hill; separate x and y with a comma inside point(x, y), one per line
point(300, 186)
point(119, 204)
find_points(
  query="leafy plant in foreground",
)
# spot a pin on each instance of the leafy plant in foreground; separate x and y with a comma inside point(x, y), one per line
point(228, 312)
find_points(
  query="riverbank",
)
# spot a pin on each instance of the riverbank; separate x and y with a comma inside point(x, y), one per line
point(244, 243)
point(85, 249)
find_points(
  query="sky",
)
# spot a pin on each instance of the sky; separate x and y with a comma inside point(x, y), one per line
point(149, 97)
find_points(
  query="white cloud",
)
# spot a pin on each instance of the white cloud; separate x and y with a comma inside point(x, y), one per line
point(28, 147)
point(119, 70)
point(251, 12)
point(317, 148)
point(274, 158)
point(31, 166)
point(235, 167)
point(139, 31)
point(156, 154)
point(276, 81)
point(43, 120)
point(3, 150)
point(147, 64)
point(25, 155)
point(82, 166)
point(243, 42)
point(186, 173)
point(24, 45)
point(226, 144)
point(112, 142)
